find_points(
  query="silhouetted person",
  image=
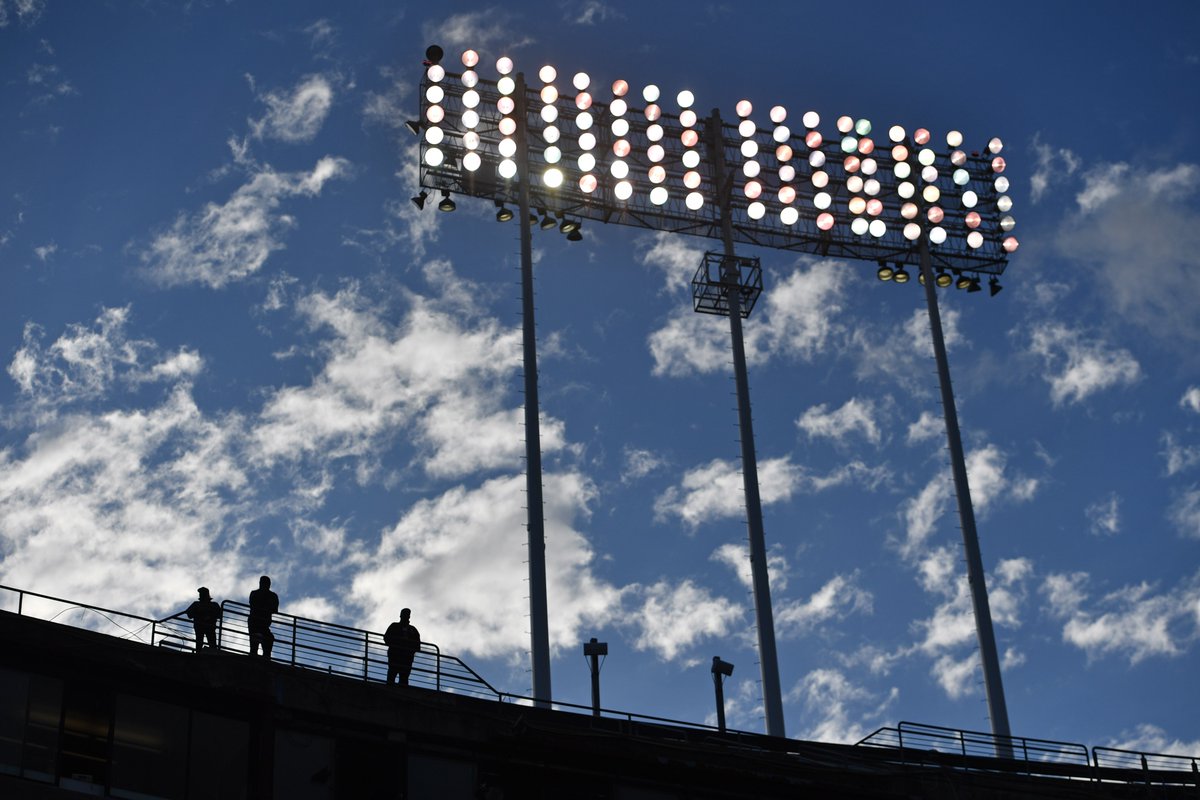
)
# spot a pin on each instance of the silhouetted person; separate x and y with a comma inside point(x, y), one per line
point(204, 614)
point(263, 603)
point(403, 641)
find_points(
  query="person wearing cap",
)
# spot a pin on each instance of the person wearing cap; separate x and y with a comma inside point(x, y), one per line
point(403, 641)
point(204, 614)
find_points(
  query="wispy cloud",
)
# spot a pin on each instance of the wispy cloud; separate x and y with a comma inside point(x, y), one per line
point(295, 115)
point(1078, 365)
point(840, 710)
point(1052, 164)
point(674, 617)
point(1179, 457)
point(1191, 399)
point(855, 415)
point(840, 597)
point(485, 30)
point(27, 12)
point(590, 12)
point(1184, 512)
point(1104, 516)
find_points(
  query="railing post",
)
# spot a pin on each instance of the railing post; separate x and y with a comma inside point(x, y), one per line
point(293, 641)
point(366, 654)
point(20, 602)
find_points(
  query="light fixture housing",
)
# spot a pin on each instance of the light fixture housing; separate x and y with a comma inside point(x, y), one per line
point(885, 272)
point(901, 275)
point(994, 286)
point(503, 213)
point(447, 204)
point(943, 279)
point(419, 200)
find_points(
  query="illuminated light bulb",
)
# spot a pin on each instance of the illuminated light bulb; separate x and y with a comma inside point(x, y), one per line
point(896, 133)
point(787, 173)
point(583, 101)
point(689, 138)
point(1010, 244)
point(507, 148)
point(619, 170)
point(866, 146)
point(926, 157)
point(587, 141)
point(753, 189)
point(506, 85)
point(778, 114)
point(974, 239)
point(1007, 224)
point(435, 114)
point(845, 124)
point(905, 189)
point(751, 169)
point(820, 179)
point(691, 179)
point(781, 133)
point(811, 119)
point(921, 136)
point(935, 214)
point(929, 174)
point(620, 127)
point(435, 73)
point(787, 195)
point(581, 81)
point(756, 210)
point(746, 128)
point(995, 146)
point(507, 126)
point(789, 216)
point(937, 235)
point(859, 226)
point(856, 205)
point(507, 168)
point(813, 140)
point(822, 200)
point(434, 135)
point(868, 166)
point(1004, 203)
point(657, 174)
point(863, 127)
point(620, 87)
point(623, 190)
point(552, 155)
point(850, 164)
point(472, 161)
point(547, 74)
point(583, 121)
point(551, 134)
point(825, 221)
point(816, 159)
point(694, 201)
point(470, 58)
point(854, 184)
point(433, 156)
point(656, 153)
point(909, 211)
point(1001, 184)
point(549, 114)
point(969, 199)
point(658, 195)
point(587, 162)
point(744, 108)
point(958, 158)
point(874, 207)
point(622, 148)
point(784, 153)
point(972, 219)
point(548, 94)
point(691, 159)
point(878, 228)
point(470, 79)
point(931, 194)
point(912, 231)
point(900, 153)
point(998, 164)
point(471, 140)
point(961, 177)
point(849, 144)
point(650, 94)
point(749, 148)
point(618, 107)
point(654, 133)
point(470, 118)
point(902, 170)
point(653, 112)
point(687, 118)
point(505, 105)
point(871, 187)
point(504, 65)
point(588, 184)
point(685, 99)
point(954, 139)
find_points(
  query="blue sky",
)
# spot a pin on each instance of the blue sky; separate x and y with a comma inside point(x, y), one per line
point(232, 346)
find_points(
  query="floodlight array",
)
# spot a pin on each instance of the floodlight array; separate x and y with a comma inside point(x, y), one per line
point(848, 194)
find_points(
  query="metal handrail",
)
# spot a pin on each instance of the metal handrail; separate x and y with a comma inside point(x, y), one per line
point(1140, 760)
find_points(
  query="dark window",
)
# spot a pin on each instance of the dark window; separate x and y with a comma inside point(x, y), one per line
point(86, 727)
point(433, 778)
point(43, 717)
point(14, 699)
point(369, 770)
point(217, 769)
point(303, 766)
point(149, 754)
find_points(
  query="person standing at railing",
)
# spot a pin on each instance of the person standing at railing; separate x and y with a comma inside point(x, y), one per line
point(403, 641)
point(204, 614)
point(263, 603)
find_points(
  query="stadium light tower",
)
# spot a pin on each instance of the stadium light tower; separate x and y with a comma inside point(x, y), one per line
point(661, 167)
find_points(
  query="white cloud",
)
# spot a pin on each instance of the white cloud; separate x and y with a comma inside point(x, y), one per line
point(487, 30)
point(1149, 738)
point(836, 705)
point(989, 481)
point(1104, 516)
point(1184, 513)
point(928, 426)
point(922, 512)
point(589, 12)
point(714, 490)
point(837, 599)
point(639, 463)
point(391, 106)
point(674, 256)
point(690, 343)
point(1191, 399)
point(956, 676)
point(295, 115)
point(737, 558)
point(28, 11)
point(231, 241)
point(673, 618)
point(854, 415)
point(1052, 164)
point(1101, 185)
point(1077, 366)
point(1179, 457)
point(45, 252)
point(907, 366)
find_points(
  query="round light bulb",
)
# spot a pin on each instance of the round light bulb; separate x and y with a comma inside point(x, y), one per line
point(472, 161)
point(878, 228)
point(789, 216)
point(685, 99)
point(433, 156)
point(435, 72)
point(623, 190)
point(658, 195)
point(756, 210)
point(620, 87)
point(470, 58)
point(845, 124)
point(937, 235)
point(859, 226)
point(504, 65)
point(507, 168)
point(811, 119)
point(744, 108)
point(974, 239)
point(954, 139)
point(650, 94)
point(896, 133)
point(581, 81)
point(588, 183)
point(694, 201)
point(547, 74)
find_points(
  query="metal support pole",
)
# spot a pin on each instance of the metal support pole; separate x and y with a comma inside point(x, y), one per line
point(719, 670)
point(593, 653)
point(994, 688)
point(538, 624)
point(767, 657)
